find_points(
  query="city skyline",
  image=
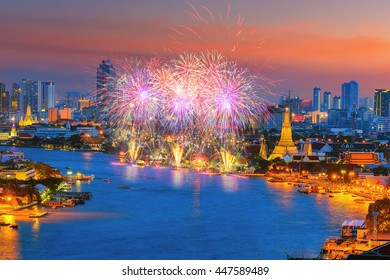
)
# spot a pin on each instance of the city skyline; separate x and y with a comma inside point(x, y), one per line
point(298, 45)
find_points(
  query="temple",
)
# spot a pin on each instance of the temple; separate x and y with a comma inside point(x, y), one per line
point(28, 120)
point(285, 146)
point(263, 149)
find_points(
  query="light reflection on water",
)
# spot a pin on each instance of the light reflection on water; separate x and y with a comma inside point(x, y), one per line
point(176, 214)
point(9, 240)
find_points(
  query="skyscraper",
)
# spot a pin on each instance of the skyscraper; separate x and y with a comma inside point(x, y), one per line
point(4, 99)
point(30, 93)
point(48, 96)
point(337, 102)
point(316, 99)
point(350, 95)
point(15, 98)
point(381, 102)
point(105, 81)
point(327, 101)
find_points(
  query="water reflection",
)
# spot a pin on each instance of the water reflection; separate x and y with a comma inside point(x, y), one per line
point(35, 229)
point(196, 201)
point(285, 195)
point(9, 240)
point(87, 157)
point(131, 172)
point(229, 183)
point(177, 178)
point(340, 202)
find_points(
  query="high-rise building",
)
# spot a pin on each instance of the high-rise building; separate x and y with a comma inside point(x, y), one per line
point(337, 102)
point(306, 105)
point(4, 104)
point(105, 82)
point(294, 103)
point(15, 98)
point(316, 99)
point(381, 102)
point(350, 95)
point(52, 114)
point(327, 101)
point(30, 94)
point(48, 96)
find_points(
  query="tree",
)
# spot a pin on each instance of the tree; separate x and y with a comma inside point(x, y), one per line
point(259, 163)
point(76, 141)
point(383, 220)
point(380, 171)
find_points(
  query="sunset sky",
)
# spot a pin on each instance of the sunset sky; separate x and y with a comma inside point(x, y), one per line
point(298, 45)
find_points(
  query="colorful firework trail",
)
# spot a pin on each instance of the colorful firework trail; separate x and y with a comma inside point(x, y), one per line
point(192, 93)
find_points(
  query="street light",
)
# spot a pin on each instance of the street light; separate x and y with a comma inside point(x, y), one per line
point(343, 174)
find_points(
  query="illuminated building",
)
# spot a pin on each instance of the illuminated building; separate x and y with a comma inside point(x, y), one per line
point(66, 113)
point(360, 158)
point(28, 119)
point(381, 102)
point(53, 114)
point(285, 145)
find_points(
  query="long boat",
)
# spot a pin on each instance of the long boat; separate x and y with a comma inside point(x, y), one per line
point(38, 214)
point(59, 203)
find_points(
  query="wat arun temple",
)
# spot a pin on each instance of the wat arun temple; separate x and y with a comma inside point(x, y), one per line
point(285, 146)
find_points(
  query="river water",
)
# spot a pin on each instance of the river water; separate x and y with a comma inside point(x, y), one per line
point(166, 214)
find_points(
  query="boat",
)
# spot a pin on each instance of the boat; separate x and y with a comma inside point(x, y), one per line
point(4, 224)
point(38, 214)
point(129, 188)
point(107, 180)
point(58, 203)
point(304, 188)
point(52, 203)
point(277, 179)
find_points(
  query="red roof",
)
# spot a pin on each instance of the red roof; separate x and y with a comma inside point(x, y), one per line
point(25, 135)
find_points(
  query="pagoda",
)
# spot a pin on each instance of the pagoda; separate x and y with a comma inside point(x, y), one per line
point(263, 148)
point(285, 145)
point(28, 120)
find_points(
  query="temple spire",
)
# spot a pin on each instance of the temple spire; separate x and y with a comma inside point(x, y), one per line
point(28, 120)
point(263, 148)
point(286, 143)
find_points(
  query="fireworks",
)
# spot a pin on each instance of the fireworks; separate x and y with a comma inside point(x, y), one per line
point(228, 161)
point(193, 93)
point(203, 100)
point(177, 154)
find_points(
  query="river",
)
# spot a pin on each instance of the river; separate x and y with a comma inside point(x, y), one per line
point(167, 214)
